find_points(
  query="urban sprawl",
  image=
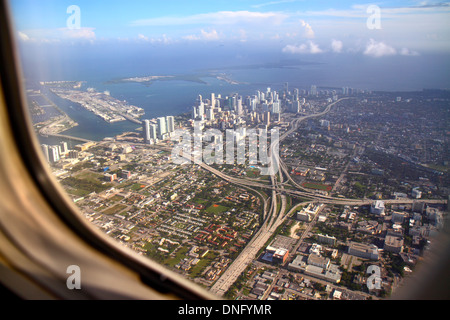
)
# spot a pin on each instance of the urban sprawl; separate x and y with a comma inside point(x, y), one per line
point(362, 185)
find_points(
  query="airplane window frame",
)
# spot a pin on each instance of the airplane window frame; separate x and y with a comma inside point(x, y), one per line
point(150, 273)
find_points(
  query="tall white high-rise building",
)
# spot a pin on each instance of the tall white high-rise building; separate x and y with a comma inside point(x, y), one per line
point(324, 123)
point(258, 95)
point(45, 151)
point(233, 102)
point(198, 110)
point(275, 96)
point(345, 90)
point(150, 131)
point(269, 96)
point(213, 100)
point(239, 107)
point(296, 95)
point(162, 127)
point(53, 154)
point(153, 132)
point(146, 130)
point(266, 116)
point(295, 106)
point(170, 124)
point(210, 113)
point(199, 100)
point(253, 105)
point(201, 111)
point(247, 101)
point(276, 107)
point(262, 96)
point(63, 148)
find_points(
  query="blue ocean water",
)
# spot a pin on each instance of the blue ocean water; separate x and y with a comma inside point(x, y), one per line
point(254, 68)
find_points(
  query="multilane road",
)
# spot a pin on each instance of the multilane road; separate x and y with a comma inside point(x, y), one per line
point(274, 218)
point(274, 215)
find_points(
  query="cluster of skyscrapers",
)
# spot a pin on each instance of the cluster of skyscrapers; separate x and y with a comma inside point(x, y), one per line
point(159, 130)
point(54, 153)
point(235, 111)
point(268, 101)
point(260, 108)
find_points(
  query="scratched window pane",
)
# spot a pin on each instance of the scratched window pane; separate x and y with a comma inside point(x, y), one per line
point(265, 150)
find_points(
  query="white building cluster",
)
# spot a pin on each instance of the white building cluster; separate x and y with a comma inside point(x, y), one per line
point(316, 265)
point(54, 153)
point(308, 213)
point(159, 129)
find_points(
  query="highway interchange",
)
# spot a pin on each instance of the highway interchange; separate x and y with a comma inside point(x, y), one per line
point(274, 213)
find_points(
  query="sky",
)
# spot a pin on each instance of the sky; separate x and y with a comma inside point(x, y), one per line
point(293, 27)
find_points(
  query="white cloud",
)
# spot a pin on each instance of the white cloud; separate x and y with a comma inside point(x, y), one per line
point(336, 45)
point(191, 37)
point(57, 35)
point(360, 11)
point(346, 13)
point(164, 39)
point(407, 52)
point(309, 48)
point(378, 49)
point(215, 18)
point(204, 35)
point(142, 37)
point(271, 3)
point(213, 35)
point(308, 32)
point(23, 36)
point(347, 24)
point(406, 26)
point(82, 33)
point(303, 48)
point(314, 48)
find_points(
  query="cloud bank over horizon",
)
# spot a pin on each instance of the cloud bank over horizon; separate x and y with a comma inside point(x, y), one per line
point(295, 27)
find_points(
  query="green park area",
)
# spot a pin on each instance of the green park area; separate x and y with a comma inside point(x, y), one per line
point(216, 208)
point(317, 186)
point(83, 185)
point(115, 209)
